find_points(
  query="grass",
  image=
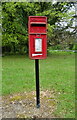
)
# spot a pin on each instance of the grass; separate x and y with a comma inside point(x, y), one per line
point(57, 73)
point(18, 74)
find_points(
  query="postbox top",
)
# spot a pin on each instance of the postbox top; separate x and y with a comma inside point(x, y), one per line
point(37, 19)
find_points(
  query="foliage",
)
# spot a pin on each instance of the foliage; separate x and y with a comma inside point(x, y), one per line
point(15, 22)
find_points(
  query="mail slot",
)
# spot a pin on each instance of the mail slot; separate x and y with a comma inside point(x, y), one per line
point(37, 31)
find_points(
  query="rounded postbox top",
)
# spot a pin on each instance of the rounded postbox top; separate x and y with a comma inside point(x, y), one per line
point(38, 19)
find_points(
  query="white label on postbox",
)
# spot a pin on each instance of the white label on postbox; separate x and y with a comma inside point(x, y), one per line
point(36, 54)
point(38, 45)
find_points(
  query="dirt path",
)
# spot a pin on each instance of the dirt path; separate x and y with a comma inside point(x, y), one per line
point(23, 105)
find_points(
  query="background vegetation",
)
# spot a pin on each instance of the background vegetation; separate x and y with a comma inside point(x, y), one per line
point(15, 25)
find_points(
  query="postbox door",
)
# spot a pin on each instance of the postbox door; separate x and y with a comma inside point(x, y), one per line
point(37, 46)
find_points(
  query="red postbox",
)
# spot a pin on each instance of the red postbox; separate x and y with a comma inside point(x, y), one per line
point(37, 30)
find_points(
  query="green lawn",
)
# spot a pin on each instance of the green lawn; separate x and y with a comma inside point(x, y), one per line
point(57, 73)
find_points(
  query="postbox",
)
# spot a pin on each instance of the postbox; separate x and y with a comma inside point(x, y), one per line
point(37, 31)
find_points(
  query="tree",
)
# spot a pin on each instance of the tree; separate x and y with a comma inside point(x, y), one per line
point(15, 22)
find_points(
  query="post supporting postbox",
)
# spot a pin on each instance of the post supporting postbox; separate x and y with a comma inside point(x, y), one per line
point(37, 83)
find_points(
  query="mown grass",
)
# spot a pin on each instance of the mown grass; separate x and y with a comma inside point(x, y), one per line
point(57, 73)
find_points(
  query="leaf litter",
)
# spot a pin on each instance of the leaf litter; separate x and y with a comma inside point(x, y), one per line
point(23, 105)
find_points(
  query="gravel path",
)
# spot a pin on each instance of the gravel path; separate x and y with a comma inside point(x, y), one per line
point(23, 105)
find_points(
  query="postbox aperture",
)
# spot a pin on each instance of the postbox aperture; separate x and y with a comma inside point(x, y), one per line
point(37, 29)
